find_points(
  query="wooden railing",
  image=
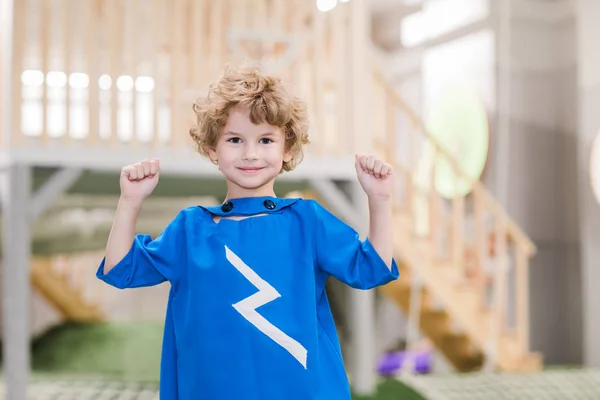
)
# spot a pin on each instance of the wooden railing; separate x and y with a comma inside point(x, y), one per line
point(493, 236)
point(114, 73)
point(68, 282)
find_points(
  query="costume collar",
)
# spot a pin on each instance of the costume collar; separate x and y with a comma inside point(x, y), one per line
point(247, 206)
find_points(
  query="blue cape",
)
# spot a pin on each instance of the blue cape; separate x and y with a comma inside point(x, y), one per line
point(248, 316)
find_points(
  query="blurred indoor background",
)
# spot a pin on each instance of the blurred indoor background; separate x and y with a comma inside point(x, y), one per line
point(488, 109)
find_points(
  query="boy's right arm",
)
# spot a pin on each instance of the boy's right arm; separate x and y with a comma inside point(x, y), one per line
point(122, 232)
point(138, 260)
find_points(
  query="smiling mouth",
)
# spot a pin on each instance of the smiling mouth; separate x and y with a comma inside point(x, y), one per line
point(250, 170)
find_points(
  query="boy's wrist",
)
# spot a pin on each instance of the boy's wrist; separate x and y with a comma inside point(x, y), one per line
point(130, 204)
point(380, 200)
point(381, 206)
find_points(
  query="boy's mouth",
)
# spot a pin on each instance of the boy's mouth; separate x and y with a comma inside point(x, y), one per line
point(250, 170)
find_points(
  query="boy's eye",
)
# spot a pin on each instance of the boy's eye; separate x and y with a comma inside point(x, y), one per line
point(234, 140)
point(266, 141)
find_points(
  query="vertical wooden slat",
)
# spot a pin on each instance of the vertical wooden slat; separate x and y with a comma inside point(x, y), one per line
point(480, 238)
point(239, 23)
point(500, 278)
point(502, 254)
point(198, 42)
point(378, 125)
point(433, 203)
point(260, 14)
point(176, 72)
point(45, 48)
point(360, 38)
point(390, 127)
point(13, 72)
point(91, 15)
point(215, 37)
point(339, 66)
point(522, 300)
point(156, 37)
point(457, 237)
point(239, 14)
point(131, 9)
point(410, 170)
point(318, 79)
point(278, 15)
point(296, 15)
point(224, 53)
point(67, 50)
point(114, 25)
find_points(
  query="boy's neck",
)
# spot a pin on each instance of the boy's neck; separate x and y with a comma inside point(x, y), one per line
point(236, 192)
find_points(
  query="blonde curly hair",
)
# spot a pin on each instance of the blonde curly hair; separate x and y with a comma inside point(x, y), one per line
point(266, 98)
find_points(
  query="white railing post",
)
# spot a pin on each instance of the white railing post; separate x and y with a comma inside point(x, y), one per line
point(414, 316)
point(8, 59)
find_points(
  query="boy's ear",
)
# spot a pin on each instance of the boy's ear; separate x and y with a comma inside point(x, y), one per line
point(213, 155)
point(287, 157)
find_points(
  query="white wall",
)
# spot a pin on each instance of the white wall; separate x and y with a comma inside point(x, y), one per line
point(588, 34)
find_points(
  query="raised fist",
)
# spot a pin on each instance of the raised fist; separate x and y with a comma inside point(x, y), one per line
point(139, 180)
point(375, 176)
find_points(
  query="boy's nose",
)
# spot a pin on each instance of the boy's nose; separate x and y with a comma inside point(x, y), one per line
point(250, 153)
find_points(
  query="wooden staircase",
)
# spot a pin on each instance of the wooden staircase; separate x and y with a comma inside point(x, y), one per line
point(63, 288)
point(436, 324)
point(465, 323)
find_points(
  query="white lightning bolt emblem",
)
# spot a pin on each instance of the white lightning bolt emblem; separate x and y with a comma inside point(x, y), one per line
point(266, 293)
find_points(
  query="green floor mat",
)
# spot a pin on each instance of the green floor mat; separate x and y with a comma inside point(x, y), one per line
point(393, 390)
point(121, 358)
point(123, 351)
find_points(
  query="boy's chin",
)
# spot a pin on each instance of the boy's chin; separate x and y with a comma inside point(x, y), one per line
point(252, 182)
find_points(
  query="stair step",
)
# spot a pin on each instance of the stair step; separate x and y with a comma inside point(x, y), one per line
point(400, 292)
point(459, 343)
point(436, 321)
point(56, 289)
point(460, 324)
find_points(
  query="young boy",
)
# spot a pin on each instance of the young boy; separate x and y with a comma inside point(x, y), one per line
point(247, 316)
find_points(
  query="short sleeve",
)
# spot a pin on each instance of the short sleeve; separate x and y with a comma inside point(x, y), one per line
point(340, 253)
point(149, 261)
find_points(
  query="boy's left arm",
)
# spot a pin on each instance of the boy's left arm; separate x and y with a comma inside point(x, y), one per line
point(340, 253)
point(380, 228)
point(376, 178)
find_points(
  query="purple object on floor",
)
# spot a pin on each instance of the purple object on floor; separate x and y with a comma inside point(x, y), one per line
point(391, 363)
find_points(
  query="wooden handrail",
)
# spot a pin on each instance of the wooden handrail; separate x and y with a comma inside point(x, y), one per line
point(504, 231)
point(477, 186)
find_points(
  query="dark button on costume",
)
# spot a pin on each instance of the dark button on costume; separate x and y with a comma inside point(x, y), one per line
point(226, 207)
point(269, 204)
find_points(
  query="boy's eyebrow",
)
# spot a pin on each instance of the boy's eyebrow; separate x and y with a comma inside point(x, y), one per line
point(270, 133)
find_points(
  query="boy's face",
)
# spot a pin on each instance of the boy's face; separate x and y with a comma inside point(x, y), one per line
point(250, 156)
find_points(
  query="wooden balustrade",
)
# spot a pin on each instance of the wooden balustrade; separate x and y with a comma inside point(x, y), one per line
point(112, 73)
point(494, 243)
point(67, 284)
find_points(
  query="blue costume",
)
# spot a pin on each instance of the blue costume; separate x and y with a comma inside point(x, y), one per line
point(247, 316)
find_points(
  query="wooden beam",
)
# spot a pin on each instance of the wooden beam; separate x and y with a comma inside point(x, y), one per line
point(480, 25)
point(52, 190)
point(342, 206)
point(108, 201)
